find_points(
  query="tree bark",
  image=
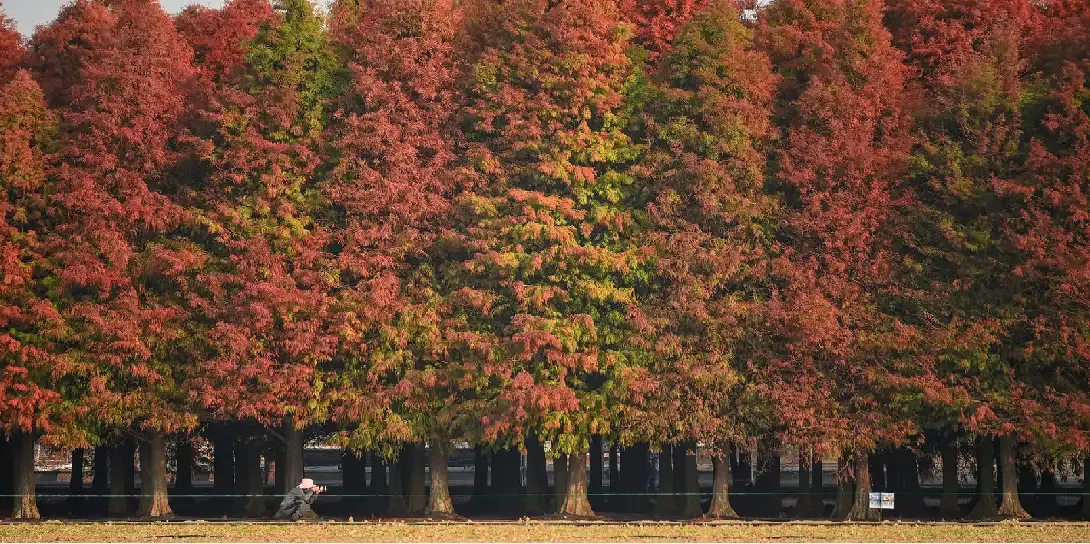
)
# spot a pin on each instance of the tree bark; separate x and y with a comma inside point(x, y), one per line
point(575, 500)
point(804, 504)
point(633, 474)
point(101, 477)
point(75, 484)
point(689, 492)
point(985, 506)
point(768, 482)
point(720, 506)
point(876, 468)
point(250, 481)
point(354, 470)
point(948, 503)
point(1086, 488)
point(416, 494)
point(560, 481)
point(537, 477)
point(379, 486)
point(121, 479)
point(910, 503)
point(817, 486)
point(665, 506)
point(614, 473)
point(289, 468)
point(439, 503)
point(7, 472)
point(223, 469)
point(154, 502)
point(26, 505)
point(1046, 493)
point(507, 480)
point(594, 486)
point(861, 510)
point(843, 489)
point(183, 477)
point(397, 506)
point(1011, 507)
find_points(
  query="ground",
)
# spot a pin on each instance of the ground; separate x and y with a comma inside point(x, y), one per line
point(541, 532)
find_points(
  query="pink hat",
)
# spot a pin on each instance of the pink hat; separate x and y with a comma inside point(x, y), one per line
point(307, 483)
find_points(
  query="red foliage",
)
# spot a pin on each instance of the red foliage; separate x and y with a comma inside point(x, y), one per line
point(29, 325)
point(12, 53)
point(838, 166)
point(220, 37)
point(392, 182)
point(122, 269)
point(657, 22)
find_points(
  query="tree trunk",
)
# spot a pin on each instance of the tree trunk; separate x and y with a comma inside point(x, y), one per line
point(742, 470)
point(910, 503)
point(804, 504)
point(480, 473)
point(183, 477)
point(633, 474)
point(876, 469)
point(614, 473)
point(537, 477)
point(1086, 488)
point(689, 492)
point(250, 481)
point(397, 506)
point(985, 506)
point(354, 485)
point(1011, 507)
point(416, 491)
point(121, 479)
point(720, 507)
point(439, 503)
point(768, 482)
point(575, 500)
point(594, 486)
point(7, 472)
point(817, 486)
point(665, 506)
point(289, 467)
point(26, 506)
point(100, 479)
point(507, 480)
point(843, 506)
point(948, 503)
point(153, 478)
point(1046, 493)
point(379, 486)
point(560, 481)
point(223, 469)
point(75, 485)
point(861, 510)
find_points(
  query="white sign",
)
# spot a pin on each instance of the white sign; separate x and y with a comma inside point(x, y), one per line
point(881, 501)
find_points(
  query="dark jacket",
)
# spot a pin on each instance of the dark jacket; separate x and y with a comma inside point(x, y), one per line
point(296, 504)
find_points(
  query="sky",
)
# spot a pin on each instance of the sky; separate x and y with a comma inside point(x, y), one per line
point(30, 13)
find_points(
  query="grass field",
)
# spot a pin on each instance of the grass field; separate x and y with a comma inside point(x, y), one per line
point(541, 532)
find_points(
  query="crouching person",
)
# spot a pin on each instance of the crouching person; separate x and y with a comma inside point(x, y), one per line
point(296, 504)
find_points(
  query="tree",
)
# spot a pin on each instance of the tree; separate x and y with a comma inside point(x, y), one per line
point(12, 52)
point(840, 355)
point(31, 328)
point(657, 23)
point(123, 264)
point(266, 299)
point(550, 222)
point(966, 62)
point(709, 121)
point(392, 182)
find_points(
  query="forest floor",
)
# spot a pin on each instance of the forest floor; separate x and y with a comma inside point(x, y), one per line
point(542, 532)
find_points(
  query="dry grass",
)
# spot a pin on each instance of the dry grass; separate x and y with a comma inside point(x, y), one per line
point(541, 532)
